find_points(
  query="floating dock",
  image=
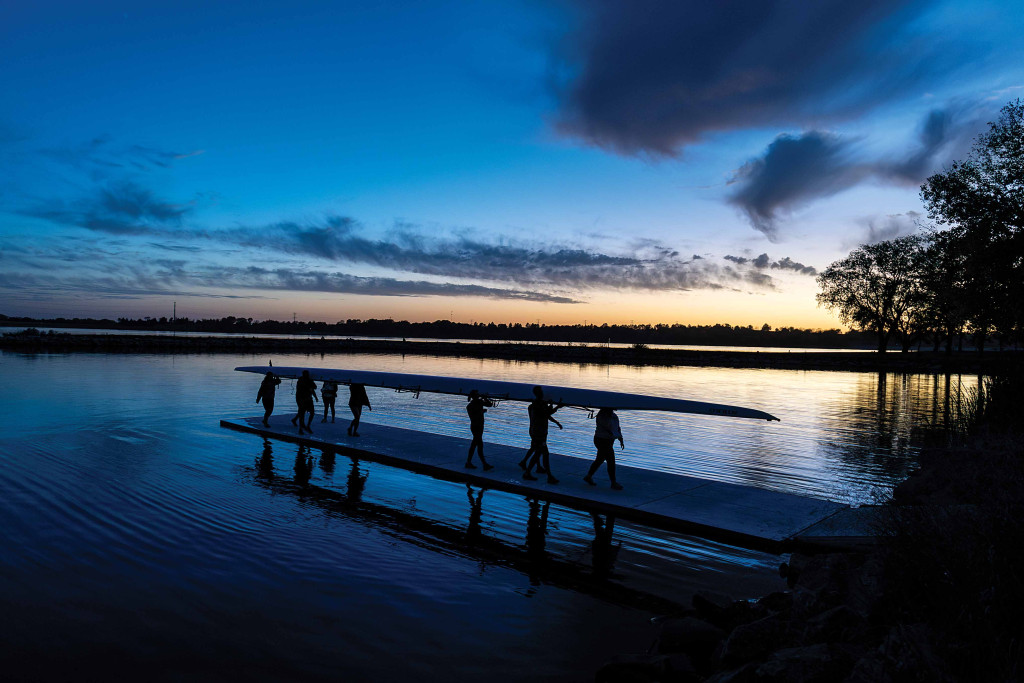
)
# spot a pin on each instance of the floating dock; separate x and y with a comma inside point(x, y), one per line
point(742, 515)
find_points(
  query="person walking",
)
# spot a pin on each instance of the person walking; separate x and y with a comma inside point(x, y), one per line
point(329, 392)
point(605, 434)
point(541, 412)
point(476, 408)
point(356, 400)
point(305, 394)
point(268, 388)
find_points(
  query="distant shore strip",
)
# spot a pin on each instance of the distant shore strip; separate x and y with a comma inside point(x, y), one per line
point(913, 362)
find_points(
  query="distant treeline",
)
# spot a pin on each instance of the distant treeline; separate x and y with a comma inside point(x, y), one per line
point(711, 335)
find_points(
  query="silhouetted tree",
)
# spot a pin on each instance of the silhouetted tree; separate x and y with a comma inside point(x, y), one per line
point(980, 203)
point(877, 288)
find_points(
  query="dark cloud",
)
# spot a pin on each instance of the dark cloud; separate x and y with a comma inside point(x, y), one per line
point(795, 170)
point(762, 262)
point(119, 209)
point(649, 76)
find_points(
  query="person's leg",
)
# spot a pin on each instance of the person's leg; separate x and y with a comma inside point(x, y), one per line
point(547, 465)
point(478, 442)
point(593, 469)
point(469, 455)
point(357, 411)
point(268, 408)
point(526, 458)
point(529, 461)
point(611, 469)
point(480, 451)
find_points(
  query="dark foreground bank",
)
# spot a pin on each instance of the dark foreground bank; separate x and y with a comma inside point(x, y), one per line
point(913, 362)
point(938, 599)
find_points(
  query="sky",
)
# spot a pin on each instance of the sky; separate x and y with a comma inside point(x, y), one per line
point(573, 161)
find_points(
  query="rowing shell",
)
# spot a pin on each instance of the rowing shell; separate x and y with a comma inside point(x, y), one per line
point(512, 391)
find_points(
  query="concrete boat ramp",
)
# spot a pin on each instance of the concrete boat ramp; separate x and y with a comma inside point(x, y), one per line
point(742, 515)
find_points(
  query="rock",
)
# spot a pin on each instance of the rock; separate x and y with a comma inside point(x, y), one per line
point(678, 667)
point(909, 652)
point(632, 669)
point(745, 674)
point(871, 668)
point(727, 614)
point(777, 602)
point(865, 588)
point(835, 625)
point(755, 640)
point(811, 664)
point(693, 637)
point(790, 571)
point(822, 584)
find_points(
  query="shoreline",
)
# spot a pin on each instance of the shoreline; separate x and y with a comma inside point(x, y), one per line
point(914, 362)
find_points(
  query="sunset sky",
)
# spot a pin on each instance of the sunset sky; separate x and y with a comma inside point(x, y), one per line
point(600, 161)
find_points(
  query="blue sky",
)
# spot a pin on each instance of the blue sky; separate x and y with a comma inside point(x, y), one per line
point(509, 161)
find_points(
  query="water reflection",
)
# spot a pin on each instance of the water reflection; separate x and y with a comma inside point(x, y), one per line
point(532, 557)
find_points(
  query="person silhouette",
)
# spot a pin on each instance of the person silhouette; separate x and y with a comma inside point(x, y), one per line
point(329, 392)
point(268, 387)
point(356, 400)
point(476, 408)
point(541, 412)
point(605, 434)
point(305, 394)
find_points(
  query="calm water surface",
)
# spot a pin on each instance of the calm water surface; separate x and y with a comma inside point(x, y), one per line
point(141, 539)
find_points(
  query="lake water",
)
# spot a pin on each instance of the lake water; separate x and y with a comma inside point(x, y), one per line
point(140, 539)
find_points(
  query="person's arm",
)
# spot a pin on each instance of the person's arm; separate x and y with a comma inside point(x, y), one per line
point(555, 421)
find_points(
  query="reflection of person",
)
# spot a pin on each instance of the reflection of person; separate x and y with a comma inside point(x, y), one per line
point(356, 400)
point(305, 394)
point(603, 552)
point(476, 408)
point(473, 531)
point(356, 483)
point(265, 463)
point(541, 412)
point(328, 392)
point(605, 434)
point(303, 466)
point(536, 531)
point(268, 387)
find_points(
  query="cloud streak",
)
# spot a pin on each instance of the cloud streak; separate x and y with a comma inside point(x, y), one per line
point(128, 210)
point(140, 277)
